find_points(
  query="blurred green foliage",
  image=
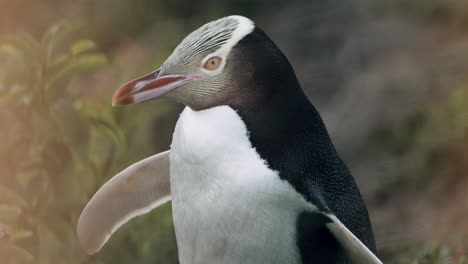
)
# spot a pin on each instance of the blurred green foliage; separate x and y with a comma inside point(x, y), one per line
point(57, 150)
point(430, 142)
point(454, 12)
point(132, 19)
point(435, 255)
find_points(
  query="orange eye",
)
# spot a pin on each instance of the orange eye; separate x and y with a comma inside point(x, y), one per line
point(213, 63)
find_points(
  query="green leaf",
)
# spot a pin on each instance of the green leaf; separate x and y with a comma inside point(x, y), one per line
point(109, 130)
point(8, 195)
point(82, 64)
point(58, 64)
point(72, 126)
point(9, 98)
point(24, 177)
point(21, 234)
point(47, 48)
point(57, 39)
point(10, 52)
point(28, 70)
point(26, 45)
point(14, 251)
point(15, 66)
point(90, 62)
point(9, 213)
point(49, 245)
point(82, 46)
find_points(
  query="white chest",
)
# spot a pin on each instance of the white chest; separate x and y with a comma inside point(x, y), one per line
point(228, 206)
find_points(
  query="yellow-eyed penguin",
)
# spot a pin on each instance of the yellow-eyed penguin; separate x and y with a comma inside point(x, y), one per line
point(252, 173)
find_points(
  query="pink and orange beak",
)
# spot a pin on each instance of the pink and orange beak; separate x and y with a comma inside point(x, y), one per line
point(148, 87)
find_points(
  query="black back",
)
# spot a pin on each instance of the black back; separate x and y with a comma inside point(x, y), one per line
point(288, 132)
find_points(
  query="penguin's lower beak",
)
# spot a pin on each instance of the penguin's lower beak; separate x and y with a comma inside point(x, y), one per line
point(148, 87)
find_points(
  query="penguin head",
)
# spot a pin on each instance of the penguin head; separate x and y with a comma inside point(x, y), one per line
point(226, 61)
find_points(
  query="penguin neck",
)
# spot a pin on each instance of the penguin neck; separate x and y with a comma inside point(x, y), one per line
point(283, 124)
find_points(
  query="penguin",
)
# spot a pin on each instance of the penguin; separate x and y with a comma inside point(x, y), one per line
point(252, 173)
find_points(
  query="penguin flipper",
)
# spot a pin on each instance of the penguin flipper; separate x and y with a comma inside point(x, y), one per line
point(354, 248)
point(136, 190)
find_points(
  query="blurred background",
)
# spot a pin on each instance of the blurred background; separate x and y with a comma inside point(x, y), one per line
point(390, 78)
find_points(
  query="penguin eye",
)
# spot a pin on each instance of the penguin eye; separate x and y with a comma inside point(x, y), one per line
point(213, 63)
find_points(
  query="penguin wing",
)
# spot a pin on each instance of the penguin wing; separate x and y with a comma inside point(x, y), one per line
point(135, 191)
point(354, 248)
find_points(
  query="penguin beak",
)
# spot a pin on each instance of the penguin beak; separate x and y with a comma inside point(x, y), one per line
point(148, 87)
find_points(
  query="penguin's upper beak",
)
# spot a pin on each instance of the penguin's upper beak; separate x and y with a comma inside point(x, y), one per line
point(150, 86)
